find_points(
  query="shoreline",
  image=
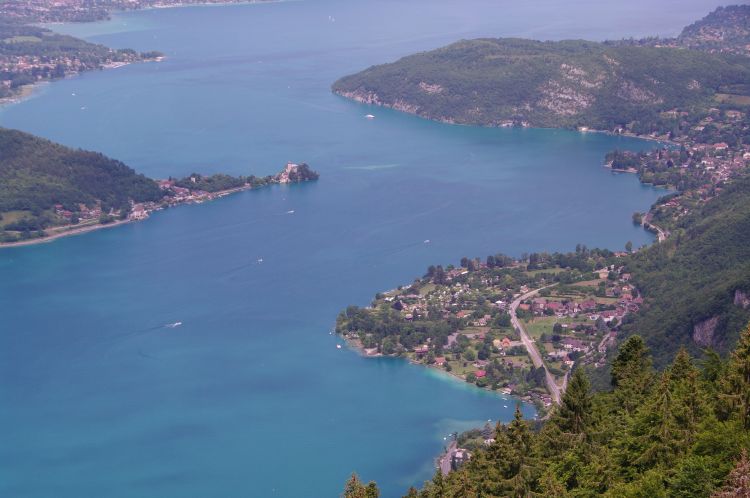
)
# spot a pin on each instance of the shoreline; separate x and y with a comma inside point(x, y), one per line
point(29, 91)
point(352, 96)
point(114, 12)
point(24, 93)
point(65, 233)
point(222, 3)
point(90, 228)
point(70, 230)
point(357, 348)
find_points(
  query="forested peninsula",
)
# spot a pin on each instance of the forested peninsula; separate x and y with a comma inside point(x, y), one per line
point(48, 190)
point(620, 86)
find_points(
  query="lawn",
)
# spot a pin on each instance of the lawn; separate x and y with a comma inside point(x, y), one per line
point(13, 216)
point(426, 289)
point(606, 300)
point(553, 271)
point(588, 283)
point(543, 324)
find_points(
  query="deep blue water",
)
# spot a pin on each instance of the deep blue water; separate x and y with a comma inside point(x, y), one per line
point(250, 397)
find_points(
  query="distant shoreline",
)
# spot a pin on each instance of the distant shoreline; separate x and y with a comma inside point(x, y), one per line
point(110, 13)
point(26, 92)
point(282, 178)
point(65, 233)
point(98, 226)
point(355, 346)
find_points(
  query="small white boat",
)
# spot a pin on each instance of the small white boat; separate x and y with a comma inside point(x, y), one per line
point(260, 260)
point(338, 346)
point(291, 211)
point(174, 325)
point(427, 241)
point(369, 116)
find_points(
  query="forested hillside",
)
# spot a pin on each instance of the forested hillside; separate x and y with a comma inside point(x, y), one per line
point(680, 433)
point(727, 29)
point(36, 174)
point(570, 83)
point(697, 283)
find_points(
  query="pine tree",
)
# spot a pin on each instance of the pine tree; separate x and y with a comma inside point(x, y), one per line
point(355, 489)
point(520, 437)
point(551, 486)
point(690, 403)
point(632, 374)
point(575, 407)
point(736, 384)
point(651, 436)
point(412, 493)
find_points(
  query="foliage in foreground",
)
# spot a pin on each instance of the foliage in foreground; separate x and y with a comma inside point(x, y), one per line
point(682, 432)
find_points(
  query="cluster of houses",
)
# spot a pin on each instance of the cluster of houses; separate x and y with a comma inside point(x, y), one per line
point(183, 195)
point(139, 210)
point(177, 195)
point(589, 308)
point(38, 68)
point(84, 213)
point(716, 163)
point(587, 322)
point(583, 314)
point(719, 161)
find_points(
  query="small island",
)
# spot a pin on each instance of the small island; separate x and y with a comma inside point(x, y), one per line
point(48, 191)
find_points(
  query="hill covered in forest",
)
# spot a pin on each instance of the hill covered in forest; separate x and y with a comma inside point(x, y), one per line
point(36, 174)
point(697, 283)
point(507, 81)
point(45, 185)
point(622, 85)
point(727, 29)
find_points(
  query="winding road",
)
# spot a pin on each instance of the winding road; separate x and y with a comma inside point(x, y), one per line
point(554, 390)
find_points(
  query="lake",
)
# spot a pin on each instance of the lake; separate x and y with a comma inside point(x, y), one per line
point(250, 396)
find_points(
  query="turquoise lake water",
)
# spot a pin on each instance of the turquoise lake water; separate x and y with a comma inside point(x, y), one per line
point(250, 397)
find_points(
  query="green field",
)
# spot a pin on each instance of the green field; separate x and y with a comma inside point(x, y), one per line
point(553, 271)
point(588, 283)
point(13, 216)
point(539, 325)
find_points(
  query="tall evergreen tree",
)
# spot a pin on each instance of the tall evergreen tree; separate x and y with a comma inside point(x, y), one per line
point(736, 384)
point(632, 374)
point(575, 407)
point(354, 488)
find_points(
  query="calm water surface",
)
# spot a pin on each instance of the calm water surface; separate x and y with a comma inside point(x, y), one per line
point(250, 397)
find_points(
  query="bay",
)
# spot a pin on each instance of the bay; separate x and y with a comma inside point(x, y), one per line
point(250, 396)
